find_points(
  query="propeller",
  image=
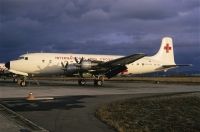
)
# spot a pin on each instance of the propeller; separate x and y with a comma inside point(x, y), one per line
point(77, 61)
point(79, 64)
point(64, 65)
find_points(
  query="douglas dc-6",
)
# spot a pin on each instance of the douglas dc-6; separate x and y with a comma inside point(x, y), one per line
point(99, 66)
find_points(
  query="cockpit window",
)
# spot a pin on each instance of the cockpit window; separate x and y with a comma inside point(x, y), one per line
point(26, 58)
point(23, 58)
point(20, 58)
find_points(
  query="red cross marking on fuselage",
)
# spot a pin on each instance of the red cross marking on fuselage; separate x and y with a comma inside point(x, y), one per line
point(167, 48)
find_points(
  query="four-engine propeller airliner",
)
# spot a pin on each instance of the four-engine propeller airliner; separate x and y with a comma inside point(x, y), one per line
point(99, 66)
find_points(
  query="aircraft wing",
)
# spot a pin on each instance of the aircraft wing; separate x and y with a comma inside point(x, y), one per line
point(113, 67)
point(122, 61)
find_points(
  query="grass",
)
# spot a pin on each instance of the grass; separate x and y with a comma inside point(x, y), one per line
point(153, 114)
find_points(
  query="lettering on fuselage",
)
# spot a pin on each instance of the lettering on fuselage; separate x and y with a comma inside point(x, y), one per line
point(73, 58)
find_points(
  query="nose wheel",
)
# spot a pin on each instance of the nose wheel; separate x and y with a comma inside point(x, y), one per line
point(20, 81)
point(23, 83)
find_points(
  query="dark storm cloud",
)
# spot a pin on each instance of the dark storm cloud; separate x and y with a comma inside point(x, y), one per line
point(99, 26)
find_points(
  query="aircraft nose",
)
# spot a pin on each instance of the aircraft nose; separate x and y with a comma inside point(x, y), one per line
point(7, 65)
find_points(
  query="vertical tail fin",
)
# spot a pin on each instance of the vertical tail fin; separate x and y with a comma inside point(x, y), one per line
point(166, 52)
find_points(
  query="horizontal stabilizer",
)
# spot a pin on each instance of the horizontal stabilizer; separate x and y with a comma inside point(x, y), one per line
point(172, 66)
point(166, 67)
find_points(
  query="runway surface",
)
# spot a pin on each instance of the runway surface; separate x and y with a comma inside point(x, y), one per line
point(73, 107)
point(69, 88)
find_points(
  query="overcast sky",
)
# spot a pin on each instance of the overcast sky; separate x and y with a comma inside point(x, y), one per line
point(99, 26)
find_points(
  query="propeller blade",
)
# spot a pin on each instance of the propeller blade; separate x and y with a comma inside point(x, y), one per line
point(67, 63)
point(62, 64)
point(81, 60)
point(76, 60)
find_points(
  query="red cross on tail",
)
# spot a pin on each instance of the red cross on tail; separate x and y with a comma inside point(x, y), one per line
point(167, 48)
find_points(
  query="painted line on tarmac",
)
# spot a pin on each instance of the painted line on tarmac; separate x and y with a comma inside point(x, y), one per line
point(20, 120)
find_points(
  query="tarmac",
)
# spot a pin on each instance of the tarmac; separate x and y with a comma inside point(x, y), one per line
point(61, 106)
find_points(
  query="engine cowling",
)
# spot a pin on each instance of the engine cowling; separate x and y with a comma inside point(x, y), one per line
point(77, 67)
point(72, 69)
point(87, 64)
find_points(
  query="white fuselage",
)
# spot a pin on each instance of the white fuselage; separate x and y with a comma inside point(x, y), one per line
point(57, 63)
point(51, 63)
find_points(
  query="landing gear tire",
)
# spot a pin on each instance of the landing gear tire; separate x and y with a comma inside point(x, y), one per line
point(98, 82)
point(15, 80)
point(23, 83)
point(81, 82)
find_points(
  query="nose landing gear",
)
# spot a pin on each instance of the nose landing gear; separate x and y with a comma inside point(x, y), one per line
point(23, 83)
point(20, 81)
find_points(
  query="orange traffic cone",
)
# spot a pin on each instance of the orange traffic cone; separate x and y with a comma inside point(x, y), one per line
point(30, 96)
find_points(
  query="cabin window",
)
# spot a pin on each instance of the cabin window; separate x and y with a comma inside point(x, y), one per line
point(142, 64)
point(43, 61)
point(50, 61)
point(26, 58)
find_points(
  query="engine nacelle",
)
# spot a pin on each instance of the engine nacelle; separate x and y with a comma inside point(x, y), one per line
point(76, 67)
point(72, 69)
point(87, 64)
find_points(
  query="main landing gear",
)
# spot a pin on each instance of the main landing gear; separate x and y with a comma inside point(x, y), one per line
point(81, 82)
point(98, 81)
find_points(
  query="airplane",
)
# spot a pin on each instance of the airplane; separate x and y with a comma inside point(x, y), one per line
point(99, 66)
